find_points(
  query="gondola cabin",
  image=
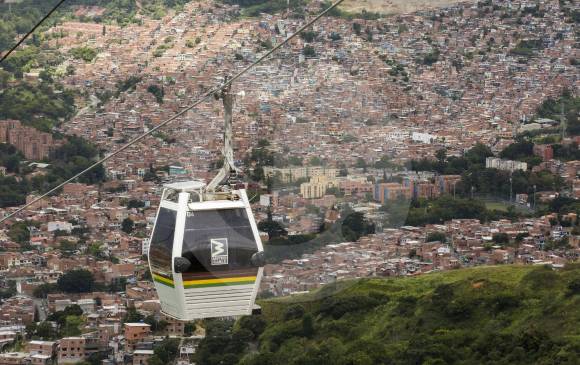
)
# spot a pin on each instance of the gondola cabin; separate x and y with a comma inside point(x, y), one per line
point(205, 253)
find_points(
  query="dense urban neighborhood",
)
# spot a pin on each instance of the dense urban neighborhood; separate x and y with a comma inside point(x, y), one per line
point(371, 146)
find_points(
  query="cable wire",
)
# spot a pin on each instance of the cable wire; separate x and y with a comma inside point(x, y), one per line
point(31, 31)
point(204, 97)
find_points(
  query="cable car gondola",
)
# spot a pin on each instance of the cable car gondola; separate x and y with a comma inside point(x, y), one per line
point(205, 252)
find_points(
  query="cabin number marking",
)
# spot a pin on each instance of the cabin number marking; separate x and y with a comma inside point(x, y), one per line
point(219, 251)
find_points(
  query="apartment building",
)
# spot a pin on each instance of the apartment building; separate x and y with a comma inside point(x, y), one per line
point(136, 333)
point(71, 350)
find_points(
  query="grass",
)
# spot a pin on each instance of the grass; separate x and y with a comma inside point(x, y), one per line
point(482, 315)
point(502, 207)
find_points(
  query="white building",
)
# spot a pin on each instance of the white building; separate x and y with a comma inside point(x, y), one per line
point(423, 137)
point(59, 226)
point(505, 165)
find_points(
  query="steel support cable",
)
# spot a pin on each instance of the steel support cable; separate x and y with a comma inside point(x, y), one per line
point(31, 31)
point(203, 98)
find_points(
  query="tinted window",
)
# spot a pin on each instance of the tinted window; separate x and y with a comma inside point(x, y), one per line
point(218, 240)
point(162, 241)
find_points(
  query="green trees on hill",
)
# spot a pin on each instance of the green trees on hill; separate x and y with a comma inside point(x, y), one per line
point(127, 225)
point(165, 352)
point(12, 192)
point(75, 155)
point(157, 92)
point(568, 106)
point(86, 54)
point(41, 107)
point(500, 315)
point(496, 182)
point(19, 232)
point(355, 225)
point(76, 281)
point(255, 7)
point(224, 343)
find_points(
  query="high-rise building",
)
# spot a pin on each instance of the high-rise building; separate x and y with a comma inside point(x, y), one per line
point(33, 144)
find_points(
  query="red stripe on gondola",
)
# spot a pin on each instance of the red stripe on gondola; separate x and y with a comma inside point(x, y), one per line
point(219, 274)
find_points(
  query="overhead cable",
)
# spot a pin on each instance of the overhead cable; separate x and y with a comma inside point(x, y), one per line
point(203, 98)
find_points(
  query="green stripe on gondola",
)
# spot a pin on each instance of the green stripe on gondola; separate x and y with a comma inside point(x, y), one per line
point(163, 280)
point(195, 286)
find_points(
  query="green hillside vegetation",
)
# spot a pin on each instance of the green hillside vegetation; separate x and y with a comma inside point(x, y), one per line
point(19, 18)
point(75, 155)
point(567, 103)
point(486, 315)
point(86, 54)
point(41, 107)
point(495, 182)
point(255, 7)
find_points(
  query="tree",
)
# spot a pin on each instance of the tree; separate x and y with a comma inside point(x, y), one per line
point(76, 281)
point(86, 54)
point(96, 250)
point(158, 92)
point(72, 326)
point(501, 238)
point(295, 311)
point(360, 163)
point(167, 350)
point(133, 203)
point(441, 155)
point(309, 51)
point(67, 248)
point(436, 236)
point(256, 324)
point(355, 226)
point(309, 36)
point(334, 36)
point(274, 229)
point(431, 58)
point(307, 325)
point(43, 290)
point(96, 358)
point(127, 225)
point(45, 331)
point(19, 232)
point(133, 316)
point(189, 328)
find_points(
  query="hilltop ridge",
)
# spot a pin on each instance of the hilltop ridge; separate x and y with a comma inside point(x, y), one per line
point(396, 6)
point(485, 315)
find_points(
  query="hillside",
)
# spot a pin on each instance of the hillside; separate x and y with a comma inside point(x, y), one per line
point(395, 6)
point(488, 315)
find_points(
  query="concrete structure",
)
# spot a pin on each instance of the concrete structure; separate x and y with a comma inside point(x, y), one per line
point(141, 357)
point(71, 350)
point(135, 333)
point(317, 186)
point(505, 165)
point(35, 145)
point(291, 174)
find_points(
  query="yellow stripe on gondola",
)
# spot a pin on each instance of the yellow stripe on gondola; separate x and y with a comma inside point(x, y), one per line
point(163, 280)
point(244, 280)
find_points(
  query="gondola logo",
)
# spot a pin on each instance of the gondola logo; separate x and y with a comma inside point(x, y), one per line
point(219, 251)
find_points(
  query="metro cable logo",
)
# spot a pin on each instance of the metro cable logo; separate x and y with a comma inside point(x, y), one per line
point(219, 251)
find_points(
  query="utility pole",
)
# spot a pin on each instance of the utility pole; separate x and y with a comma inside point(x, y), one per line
point(511, 188)
point(534, 206)
point(563, 122)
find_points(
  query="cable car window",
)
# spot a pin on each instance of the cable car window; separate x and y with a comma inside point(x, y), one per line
point(217, 241)
point(160, 249)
